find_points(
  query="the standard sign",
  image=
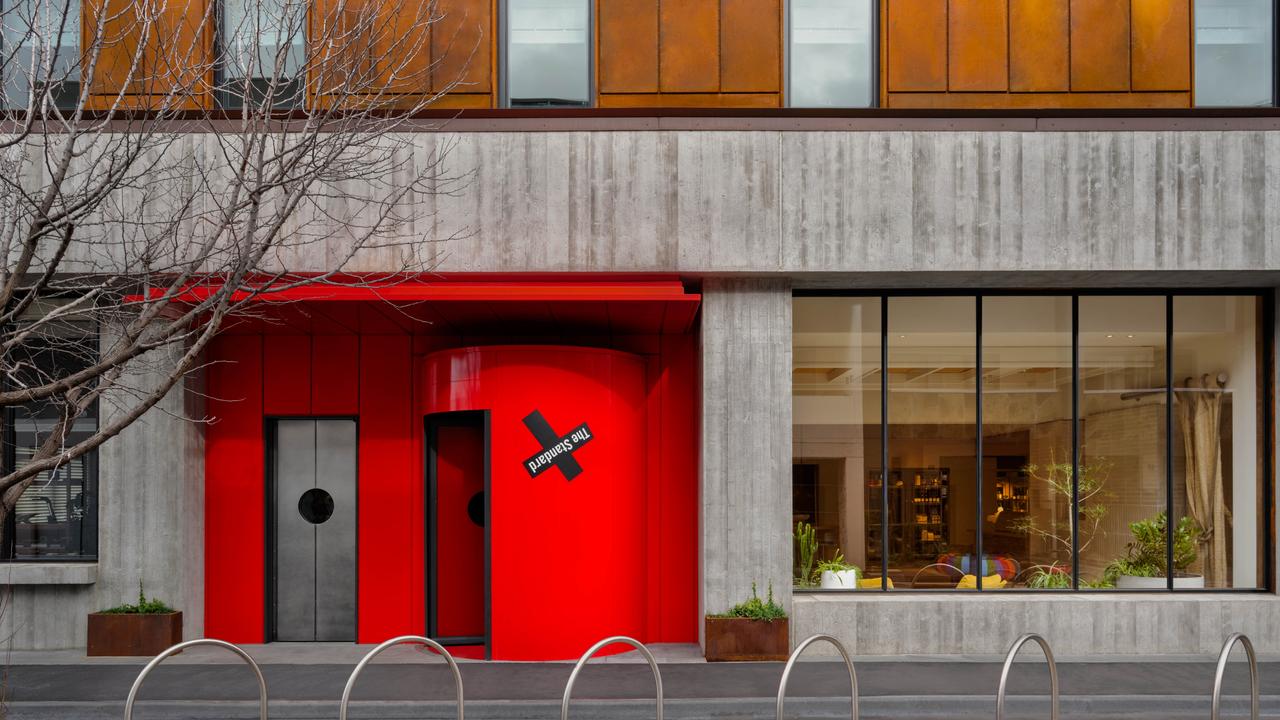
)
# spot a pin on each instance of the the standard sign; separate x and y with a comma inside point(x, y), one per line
point(557, 450)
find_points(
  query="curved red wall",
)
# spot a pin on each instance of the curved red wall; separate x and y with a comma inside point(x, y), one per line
point(568, 557)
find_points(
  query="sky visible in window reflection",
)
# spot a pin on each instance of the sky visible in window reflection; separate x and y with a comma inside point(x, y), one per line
point(830, 53)
point(547, 51)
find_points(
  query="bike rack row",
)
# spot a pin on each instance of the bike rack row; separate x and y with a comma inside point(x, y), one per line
point(1223, 657)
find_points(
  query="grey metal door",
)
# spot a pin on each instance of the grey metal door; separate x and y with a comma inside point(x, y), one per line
point(314, 519)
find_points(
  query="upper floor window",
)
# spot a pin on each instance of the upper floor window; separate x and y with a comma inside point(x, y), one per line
point(40, 42)
point(1234, 41)
point(830, 60)
point(263, 51)
point(548, 53)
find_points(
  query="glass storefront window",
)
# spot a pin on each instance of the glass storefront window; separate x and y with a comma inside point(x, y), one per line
point(1122, 429)
point(1026, 440)
point(1031, 441)
point(836, 438)
point(1217, 469)
point(932, 479)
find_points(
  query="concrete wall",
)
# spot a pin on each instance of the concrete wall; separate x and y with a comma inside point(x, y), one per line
point(825, 202)
point(822, 205)
point(1079, 625)
point(746, 441)
point(150, 528)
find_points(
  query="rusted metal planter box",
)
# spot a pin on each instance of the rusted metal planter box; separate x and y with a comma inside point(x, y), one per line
point(743, 639)
point(133, 634)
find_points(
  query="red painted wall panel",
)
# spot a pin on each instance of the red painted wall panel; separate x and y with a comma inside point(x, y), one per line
point(676, 596)
point(287, 374)
point(391, 540)
point(574, 550)
point(234, 492)
point(335, 375)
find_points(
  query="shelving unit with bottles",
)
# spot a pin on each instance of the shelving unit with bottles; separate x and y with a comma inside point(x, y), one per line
point(918, 526)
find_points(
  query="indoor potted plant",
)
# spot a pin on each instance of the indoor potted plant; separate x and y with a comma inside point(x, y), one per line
point(1143, 566)
point(751, 630)
point(836, 574)
point(147, 628)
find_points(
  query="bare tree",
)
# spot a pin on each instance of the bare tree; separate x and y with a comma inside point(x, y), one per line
point(153, 189)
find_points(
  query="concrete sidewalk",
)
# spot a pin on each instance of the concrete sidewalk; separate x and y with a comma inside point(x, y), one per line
point(622, 689)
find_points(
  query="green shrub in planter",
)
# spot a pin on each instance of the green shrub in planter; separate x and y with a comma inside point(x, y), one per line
point(147, 627)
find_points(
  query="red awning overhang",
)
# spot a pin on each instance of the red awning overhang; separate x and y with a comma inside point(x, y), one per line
point(644, 305)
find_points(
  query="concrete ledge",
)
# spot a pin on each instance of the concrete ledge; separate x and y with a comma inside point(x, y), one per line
point(48, 573)
point(1076, 625)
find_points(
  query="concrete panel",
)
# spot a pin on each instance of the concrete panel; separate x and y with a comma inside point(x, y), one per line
point(1079, 626)
point(746, 441)
point(801, 202)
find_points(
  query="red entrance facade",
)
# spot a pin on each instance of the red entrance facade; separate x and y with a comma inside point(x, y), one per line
point(526, 475)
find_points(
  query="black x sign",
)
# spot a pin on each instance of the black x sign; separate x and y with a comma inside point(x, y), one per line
point(557, 449)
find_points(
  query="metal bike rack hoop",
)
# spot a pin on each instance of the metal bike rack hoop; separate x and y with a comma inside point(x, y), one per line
point(795, 655)
point(1008, 665)
point(418, 639)
point(582, 662)
point(1243, 640)
point(155, 662)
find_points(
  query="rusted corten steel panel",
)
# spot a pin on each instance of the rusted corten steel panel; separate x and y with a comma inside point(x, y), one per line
point(147, 63)
point(1039, 51)
point(1036, 53)
point(689, 53)
point(915, 54)
point(630, 32)
point(978, 47)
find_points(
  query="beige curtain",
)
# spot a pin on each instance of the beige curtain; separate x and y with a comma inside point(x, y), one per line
point(1199, 407)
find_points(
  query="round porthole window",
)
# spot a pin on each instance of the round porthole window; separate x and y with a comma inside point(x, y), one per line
point(475, 509)
point(315, 506)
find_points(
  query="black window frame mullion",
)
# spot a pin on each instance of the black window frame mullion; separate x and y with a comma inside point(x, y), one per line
point(1076, 389)
point(980, 560)
point(1168, 441)
point(884, 443)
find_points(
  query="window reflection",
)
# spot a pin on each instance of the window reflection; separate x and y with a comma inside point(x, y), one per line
point(262, 50)
point(830, 59)
point(941, 517)
point(1026, 439)
point(1216, 473)
point(836, 436)
point(1233, 60)
point(548, 54)
point(40, 41)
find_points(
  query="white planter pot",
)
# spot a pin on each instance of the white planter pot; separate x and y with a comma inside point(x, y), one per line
point(1180, 582)
point(839, 580)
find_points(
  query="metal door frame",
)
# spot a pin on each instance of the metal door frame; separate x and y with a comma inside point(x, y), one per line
point(270, 535)
point(431, 423)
